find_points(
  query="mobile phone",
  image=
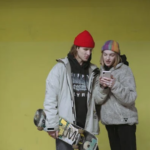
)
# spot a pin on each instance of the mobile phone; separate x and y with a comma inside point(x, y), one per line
point(106, 74)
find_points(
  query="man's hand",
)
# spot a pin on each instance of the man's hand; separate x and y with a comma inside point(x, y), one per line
point(53, 134)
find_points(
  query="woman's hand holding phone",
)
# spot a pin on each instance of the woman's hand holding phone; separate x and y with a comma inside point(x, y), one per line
point(108, 81)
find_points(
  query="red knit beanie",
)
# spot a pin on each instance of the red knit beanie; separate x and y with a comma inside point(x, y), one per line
point(84, 39)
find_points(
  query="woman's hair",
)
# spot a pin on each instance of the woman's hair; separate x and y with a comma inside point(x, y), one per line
point(73, 50)
point(117, 60)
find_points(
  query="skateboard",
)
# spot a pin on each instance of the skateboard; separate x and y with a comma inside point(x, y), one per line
point(68, 132)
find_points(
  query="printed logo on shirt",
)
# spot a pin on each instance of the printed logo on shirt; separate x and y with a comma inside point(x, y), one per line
point(80, 84)
point(125, 119)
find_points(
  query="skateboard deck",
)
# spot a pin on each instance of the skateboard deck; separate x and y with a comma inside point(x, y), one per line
point(68, 132)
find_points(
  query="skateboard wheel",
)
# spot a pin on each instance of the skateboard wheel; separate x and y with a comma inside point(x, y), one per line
point(40, 128)
point(86, 145)
point(75, 146)
point(43, 114)
point(37, 116)
point(81, 131)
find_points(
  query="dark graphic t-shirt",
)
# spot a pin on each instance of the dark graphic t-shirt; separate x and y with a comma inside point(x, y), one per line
point(80, 84)
point(80, 80)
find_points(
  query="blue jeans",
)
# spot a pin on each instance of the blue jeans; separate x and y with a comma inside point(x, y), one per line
point(60, 145)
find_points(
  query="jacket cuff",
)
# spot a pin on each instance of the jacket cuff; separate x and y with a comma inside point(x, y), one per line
point(115, 85)
point(104, 90)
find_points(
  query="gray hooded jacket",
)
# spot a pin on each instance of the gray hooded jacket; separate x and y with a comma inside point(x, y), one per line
point(119, 105)
point(59, 97)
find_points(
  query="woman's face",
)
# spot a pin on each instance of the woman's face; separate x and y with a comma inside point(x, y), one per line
point(109, 57)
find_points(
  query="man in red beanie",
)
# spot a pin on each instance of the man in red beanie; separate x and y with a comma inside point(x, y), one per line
point(71, 89)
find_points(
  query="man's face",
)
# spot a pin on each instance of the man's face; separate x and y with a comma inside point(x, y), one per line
point(83, 53)
point(109, 57)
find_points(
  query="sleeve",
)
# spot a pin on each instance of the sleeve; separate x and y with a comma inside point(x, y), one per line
point(125, 89)
point(51, 99)
point(100, 94)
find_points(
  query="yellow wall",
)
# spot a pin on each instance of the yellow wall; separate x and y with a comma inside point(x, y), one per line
point(34, 34)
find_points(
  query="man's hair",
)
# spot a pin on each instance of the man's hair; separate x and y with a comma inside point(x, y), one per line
point(117, 60)
point(73, 50)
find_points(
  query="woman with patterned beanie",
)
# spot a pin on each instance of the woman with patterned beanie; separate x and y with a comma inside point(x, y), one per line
point(118, 111)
